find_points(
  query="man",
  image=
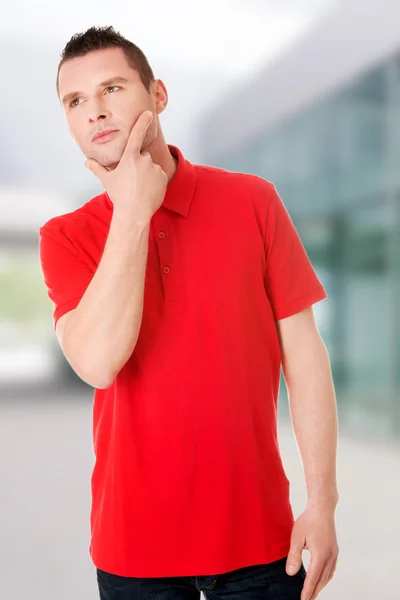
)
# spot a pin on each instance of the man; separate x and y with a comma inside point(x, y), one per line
point(178, 292)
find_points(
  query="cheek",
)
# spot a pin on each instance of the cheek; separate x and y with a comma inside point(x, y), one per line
point(75, 130)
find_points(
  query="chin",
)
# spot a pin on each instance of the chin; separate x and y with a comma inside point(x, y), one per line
point(111, 166)
point(110, 162)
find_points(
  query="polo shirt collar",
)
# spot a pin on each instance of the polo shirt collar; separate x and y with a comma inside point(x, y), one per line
point(180, 190)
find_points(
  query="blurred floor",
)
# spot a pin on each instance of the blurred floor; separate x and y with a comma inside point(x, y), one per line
point(46, 462)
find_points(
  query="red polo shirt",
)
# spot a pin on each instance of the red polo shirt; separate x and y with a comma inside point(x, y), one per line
point(188, 477)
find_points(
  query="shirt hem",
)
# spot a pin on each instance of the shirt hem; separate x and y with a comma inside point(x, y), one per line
point(277, 552)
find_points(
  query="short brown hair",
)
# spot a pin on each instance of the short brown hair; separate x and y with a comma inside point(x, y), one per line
point(96, 38)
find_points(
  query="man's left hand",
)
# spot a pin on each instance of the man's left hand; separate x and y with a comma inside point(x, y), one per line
point(314, 530)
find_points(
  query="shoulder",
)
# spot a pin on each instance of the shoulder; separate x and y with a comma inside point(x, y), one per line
point(238, 181)
point(75, 220)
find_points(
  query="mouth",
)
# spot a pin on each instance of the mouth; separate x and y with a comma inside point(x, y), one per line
point(104, 136)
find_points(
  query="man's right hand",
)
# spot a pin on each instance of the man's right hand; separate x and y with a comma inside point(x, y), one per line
point(137, 185)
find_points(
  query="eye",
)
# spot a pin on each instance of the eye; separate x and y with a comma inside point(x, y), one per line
point(110, 87)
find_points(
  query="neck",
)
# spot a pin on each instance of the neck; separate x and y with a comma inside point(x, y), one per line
point(161, 155)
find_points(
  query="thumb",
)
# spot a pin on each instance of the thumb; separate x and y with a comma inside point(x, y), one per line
point(96, 168)
point(293, 561)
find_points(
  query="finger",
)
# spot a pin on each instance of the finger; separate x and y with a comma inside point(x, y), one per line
point(293, 564)
point(333, 568)
point(323, 580)
point(137, 134)
point(294, 557)
point(312, 577)
point(96, 168)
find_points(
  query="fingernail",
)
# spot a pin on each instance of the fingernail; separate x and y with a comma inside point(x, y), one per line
point(291, 568)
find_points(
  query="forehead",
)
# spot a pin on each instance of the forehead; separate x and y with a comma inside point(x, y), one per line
point(83, 72)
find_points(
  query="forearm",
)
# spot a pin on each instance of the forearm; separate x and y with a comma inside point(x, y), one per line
point(313, 411)
point(102, 332)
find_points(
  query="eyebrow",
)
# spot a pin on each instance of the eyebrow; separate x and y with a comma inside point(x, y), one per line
point(115, 79)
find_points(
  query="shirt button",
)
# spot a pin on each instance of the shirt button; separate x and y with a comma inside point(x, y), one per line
point(166, 269)
point(161, 235)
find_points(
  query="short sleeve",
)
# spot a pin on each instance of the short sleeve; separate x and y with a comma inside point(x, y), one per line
point(65, 275)
point(290, 280)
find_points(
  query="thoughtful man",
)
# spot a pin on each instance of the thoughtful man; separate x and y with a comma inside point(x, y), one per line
point(178, 293)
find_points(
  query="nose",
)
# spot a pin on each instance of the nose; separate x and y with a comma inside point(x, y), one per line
point(98, 115)
point(98, 111)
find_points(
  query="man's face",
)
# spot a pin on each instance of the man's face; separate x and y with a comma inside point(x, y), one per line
point(112, 106)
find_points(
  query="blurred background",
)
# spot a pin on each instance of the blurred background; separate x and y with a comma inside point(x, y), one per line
point(305, 93)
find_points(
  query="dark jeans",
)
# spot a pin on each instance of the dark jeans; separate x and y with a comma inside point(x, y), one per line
point(259, 582)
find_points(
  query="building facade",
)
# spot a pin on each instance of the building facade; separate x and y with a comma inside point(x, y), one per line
point(323, 124)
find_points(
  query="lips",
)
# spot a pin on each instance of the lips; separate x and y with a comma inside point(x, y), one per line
point(101, 133)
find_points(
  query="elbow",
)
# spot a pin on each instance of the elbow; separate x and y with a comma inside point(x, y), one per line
point(95, 377)
point(98, 378)
point(103, 378)
point(97, 373)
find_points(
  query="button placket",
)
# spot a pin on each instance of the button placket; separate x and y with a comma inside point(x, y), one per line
point(165, 268)
point(164, 244)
